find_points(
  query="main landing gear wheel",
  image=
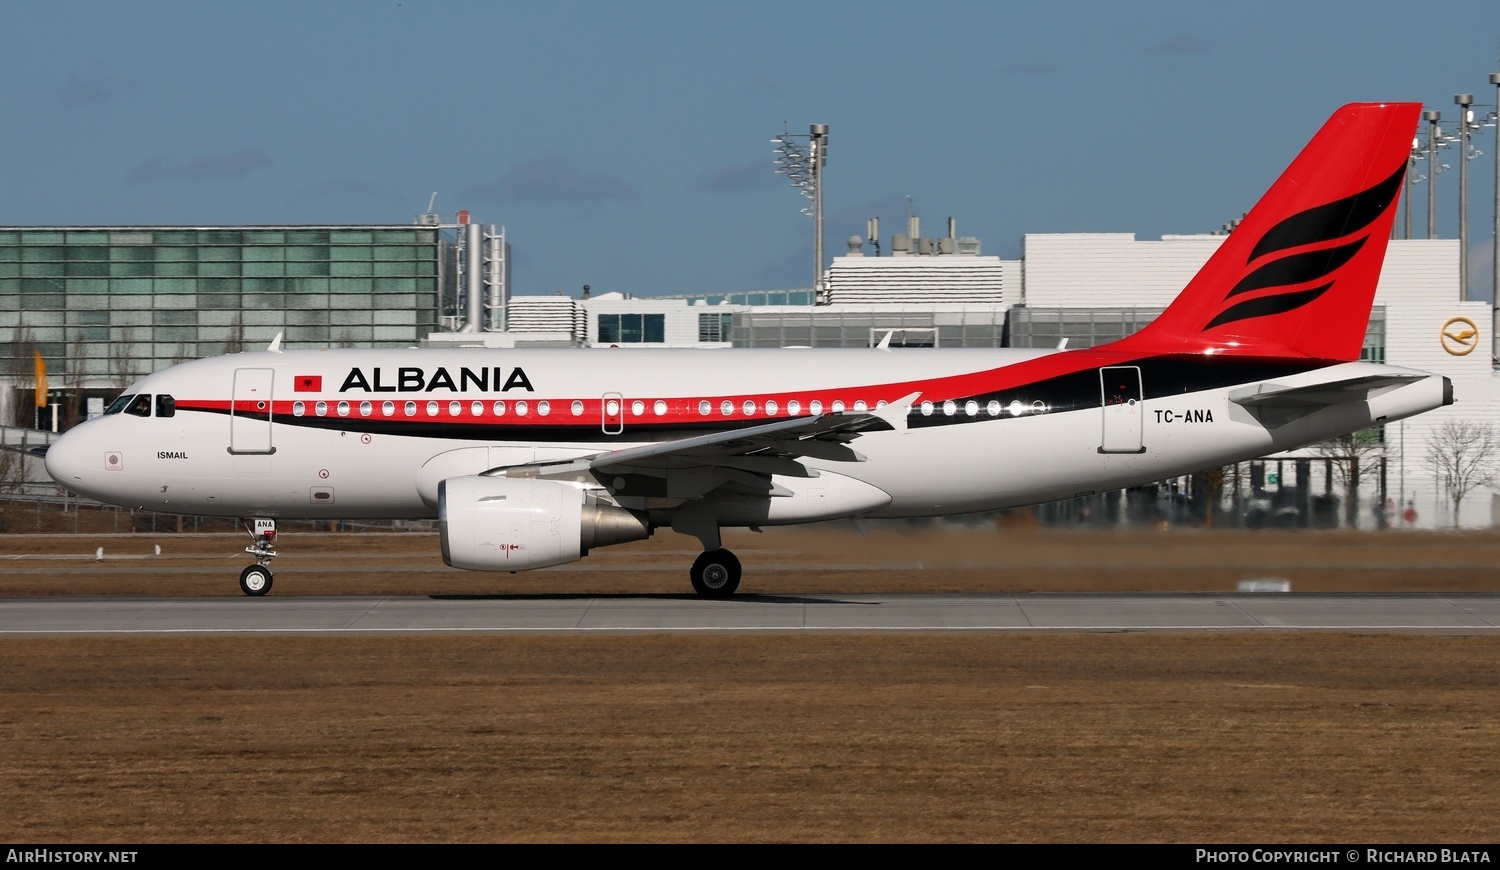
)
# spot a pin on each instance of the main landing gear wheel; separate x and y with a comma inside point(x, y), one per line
point(255, 580)
point(716, 574)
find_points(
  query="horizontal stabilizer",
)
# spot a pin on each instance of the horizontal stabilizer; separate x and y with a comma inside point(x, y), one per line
point(1314, 396)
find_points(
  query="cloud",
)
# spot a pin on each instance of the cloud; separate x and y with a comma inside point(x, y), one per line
point(1181, 45)
point(553, 179)
point(752, 175)
point(237, 164)
point(87, 88)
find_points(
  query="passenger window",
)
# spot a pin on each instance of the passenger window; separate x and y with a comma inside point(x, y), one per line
point(119, 404)
point(141, 407)
point(166, 406)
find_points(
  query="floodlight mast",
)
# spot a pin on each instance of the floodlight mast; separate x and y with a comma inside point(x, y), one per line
point(803, 167)
point(1411, 179)
point(1435, 140)
point(1465, 121)
point(1495, 241)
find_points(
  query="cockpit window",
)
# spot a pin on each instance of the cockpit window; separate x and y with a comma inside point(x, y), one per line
point(119, 404)
point(166, 406)
point(141, 406)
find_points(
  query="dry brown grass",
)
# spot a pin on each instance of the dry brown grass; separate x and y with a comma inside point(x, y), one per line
point(1129, 738)
point(1291, 738)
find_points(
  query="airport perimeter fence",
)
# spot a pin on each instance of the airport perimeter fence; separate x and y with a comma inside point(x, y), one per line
point(56, 512)
point(1288, 494)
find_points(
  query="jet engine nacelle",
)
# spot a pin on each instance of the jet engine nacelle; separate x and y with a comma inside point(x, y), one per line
point(516, 524)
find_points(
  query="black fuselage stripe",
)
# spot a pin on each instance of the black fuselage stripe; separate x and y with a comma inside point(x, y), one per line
point(1161, 377)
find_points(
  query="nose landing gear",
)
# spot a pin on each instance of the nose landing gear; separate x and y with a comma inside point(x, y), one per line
point(256, 579)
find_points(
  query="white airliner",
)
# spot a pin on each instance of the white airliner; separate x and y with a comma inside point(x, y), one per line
point(531, 458)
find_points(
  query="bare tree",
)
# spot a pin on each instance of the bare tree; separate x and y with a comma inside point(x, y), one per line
point(236, 341)
point(13, 471)
point(1460, 455)
point(22, 373)
point(1351, 454)
point(121, 367)
point(1213, 489)
point(78, 354)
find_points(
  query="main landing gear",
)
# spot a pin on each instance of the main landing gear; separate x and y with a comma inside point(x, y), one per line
point(716, 574)
point(256, 579)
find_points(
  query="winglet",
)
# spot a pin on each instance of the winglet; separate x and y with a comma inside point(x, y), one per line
point(885, 342)
point(275, 344)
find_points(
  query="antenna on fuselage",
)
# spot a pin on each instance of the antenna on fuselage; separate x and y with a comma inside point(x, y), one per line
point(275, 344)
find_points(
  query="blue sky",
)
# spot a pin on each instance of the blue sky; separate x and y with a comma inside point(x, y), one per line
point(626, 145)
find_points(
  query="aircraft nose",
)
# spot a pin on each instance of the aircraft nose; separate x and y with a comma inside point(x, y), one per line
point(61, 461)
point(75, 464)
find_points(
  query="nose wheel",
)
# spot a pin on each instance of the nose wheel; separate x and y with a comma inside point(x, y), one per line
point(256, 579)
point(716, 574)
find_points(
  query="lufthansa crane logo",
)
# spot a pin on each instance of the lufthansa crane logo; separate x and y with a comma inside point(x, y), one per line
point(1460, 336)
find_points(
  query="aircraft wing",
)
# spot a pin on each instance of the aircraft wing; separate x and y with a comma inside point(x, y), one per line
point(743, 459)
point(823, 437)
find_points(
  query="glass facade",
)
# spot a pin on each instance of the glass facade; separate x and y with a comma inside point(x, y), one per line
point(108, 305)
point(632, 328)
point(860, 328)
point(1087, 327)
point(1082, 327)
point(713, 328)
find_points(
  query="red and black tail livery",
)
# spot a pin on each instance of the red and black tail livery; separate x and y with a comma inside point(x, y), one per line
point(1297, 277)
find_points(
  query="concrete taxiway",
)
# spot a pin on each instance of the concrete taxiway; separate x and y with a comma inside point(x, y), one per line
point(1474, 614)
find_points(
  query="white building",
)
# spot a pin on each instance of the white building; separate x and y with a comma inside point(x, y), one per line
point(1087, 288)
point(1417, 322)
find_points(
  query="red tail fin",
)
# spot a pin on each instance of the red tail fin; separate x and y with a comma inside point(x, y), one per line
point(1297, 276)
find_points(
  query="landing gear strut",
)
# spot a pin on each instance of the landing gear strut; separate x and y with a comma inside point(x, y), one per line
point(716, 574)
point(256, 579)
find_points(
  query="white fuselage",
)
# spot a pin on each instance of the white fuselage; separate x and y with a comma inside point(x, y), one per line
point(405, 427)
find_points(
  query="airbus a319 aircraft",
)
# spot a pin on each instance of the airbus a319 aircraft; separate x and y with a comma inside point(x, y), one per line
point(532, 458)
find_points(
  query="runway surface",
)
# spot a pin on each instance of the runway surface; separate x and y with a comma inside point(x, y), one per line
point(1475, 614)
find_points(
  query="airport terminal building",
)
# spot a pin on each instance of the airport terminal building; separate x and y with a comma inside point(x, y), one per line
point(1082, 289)
point(105, 305)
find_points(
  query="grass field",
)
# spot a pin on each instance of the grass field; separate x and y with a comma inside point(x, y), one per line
point(1094, 738)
